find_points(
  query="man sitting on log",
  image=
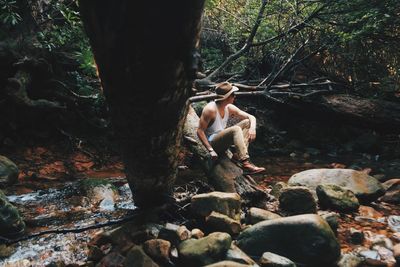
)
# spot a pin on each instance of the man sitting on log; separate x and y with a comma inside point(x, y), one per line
point(217, 138)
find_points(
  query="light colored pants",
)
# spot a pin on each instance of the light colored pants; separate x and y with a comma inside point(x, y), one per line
point(237, 135)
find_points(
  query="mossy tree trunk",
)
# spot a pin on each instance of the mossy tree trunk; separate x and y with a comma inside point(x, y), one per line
point(145, 52)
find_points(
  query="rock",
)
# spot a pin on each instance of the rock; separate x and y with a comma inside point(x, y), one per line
point(11, 222)
point(206, 250)
point(297, 200)
point(6, 251)
point(174, 233)
point(256, 215)
point(197, 233)
point(226, 203)
point(227, 264)
point(331, 218)
point(385, 254)
point(8, 171)
point(392, 194)
point(396, 253)
point(137, 258)
point(112, 259)
point(371, 258)
point(306, 239)
point(394, 222)
point(356, 236)
point(158, 249)
point(365, 187)
point(349, 260)
point(336, 197)
point(237, 255)
point(277, 189)
point(269, 259)
point(222, 223)
point(95, 253)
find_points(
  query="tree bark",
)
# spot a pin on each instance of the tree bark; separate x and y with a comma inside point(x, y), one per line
point(145, 52)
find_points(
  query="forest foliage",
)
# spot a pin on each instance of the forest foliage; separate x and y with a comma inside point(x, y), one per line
point(351, 42)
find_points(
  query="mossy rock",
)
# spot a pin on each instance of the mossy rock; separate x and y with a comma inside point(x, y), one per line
point(11, 222)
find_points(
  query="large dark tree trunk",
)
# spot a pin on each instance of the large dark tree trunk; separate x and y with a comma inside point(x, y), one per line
point(145, 52)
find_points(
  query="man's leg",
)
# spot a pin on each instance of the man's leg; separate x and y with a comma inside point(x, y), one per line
point(228, 137)
point(245, 125)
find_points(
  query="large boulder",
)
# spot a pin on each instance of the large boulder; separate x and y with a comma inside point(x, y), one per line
point(306, 239)
point(392, 194)
point(8, 171)
point(225, 203)
point(11, 222)
point(365, 187)
point(206, 250)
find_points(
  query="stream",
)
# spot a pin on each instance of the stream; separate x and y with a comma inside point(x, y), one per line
point(62, 206)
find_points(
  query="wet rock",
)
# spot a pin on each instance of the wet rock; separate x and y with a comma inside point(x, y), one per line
point(396, 253)
point(158, 249)
point(336, 197)
point(237, 255)
point(174, 233)
point(349, 260)
point(112, 259)
point(297, 200)
point(206, 250)
point(137, 258)
point(6, 251)
point(226, 203)
point(394, 222)
point(381, 240)
point(197, 233)
point(222, 223)
point(11, 222)
point(277, 189)
point(269, 259)
point(331, 218)
point(392, 194)
point(356, 236)
point(256, 215)
point(227, 264)
point(19, 263)
point(365, 187)
point(371, 258)
point(304, 238)
point(386, 255)
point(8, 171)
point(100, 192)
point(95, 253)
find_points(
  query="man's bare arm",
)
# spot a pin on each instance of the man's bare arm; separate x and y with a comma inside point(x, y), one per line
point(205, 119)
point(235, 111)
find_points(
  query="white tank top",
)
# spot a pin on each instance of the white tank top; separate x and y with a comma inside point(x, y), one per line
point(219, 123)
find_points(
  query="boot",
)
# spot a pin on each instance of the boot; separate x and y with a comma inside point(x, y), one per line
point(250, 168)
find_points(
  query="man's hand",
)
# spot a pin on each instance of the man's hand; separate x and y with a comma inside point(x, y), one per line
point(213, 155)
point(252, 135)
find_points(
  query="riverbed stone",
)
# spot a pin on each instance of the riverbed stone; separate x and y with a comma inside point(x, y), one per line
point(297, 200)
point(227, 264)
point(174, 233)
point(136, 257)
point(396, 253)
point(112, 259)
point(269, 259)
point(256, 215)
point(197, 233)
point(277, 189)
point(349, 260)
point(235, 254)
point(332, 218)
point(6, 251)
point(392, 194)
point(158, 249)
point(222, 223)
point(337, 198)
point(226, 203)
point(11, 222)
point(306, 239)
point(206, 250)
point(364, 186)
point(8, 171)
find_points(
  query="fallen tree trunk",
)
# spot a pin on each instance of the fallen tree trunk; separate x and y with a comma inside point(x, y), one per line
point(223, 174)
